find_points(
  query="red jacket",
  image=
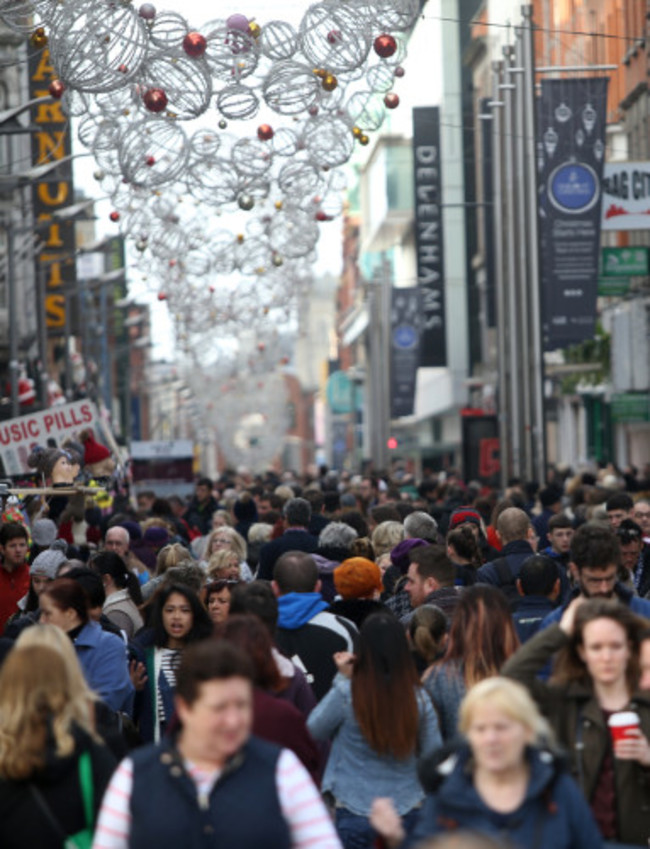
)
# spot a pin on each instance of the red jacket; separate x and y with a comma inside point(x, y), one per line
point(13, 586)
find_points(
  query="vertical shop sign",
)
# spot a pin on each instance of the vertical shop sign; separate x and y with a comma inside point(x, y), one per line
point(429, 234)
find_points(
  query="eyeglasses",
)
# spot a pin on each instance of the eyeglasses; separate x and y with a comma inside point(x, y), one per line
point(221, 583)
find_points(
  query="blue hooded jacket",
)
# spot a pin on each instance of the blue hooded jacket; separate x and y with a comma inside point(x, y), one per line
point(296, 609)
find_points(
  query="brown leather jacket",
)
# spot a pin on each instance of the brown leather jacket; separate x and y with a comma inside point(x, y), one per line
point(579, 726)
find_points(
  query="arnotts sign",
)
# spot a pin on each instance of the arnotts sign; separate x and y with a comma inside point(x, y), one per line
point(18, 436)
point(50, 142)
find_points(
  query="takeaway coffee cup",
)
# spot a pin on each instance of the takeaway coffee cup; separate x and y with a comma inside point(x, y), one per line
point(621, 723)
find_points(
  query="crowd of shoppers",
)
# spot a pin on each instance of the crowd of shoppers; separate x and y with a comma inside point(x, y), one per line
point(330, 662)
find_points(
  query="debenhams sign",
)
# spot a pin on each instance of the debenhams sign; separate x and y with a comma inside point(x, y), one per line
point(428, 234)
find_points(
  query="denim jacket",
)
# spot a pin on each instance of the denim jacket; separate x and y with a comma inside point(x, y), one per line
point(355, 774)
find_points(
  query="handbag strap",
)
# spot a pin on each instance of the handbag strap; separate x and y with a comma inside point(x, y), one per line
point(84, 768)
point(45, 808)
point(86, 782)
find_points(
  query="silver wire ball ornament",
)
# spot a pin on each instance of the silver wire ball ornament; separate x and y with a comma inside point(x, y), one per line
point(91, 43)
point(153, 153)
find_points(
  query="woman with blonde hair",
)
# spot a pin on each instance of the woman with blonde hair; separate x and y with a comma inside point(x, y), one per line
point(171, 555)
point(228, 538)
point(386, 536)
point(91, 711)
point(53, 769)
point(502, 781)
point(220, 519)
point(223, 565)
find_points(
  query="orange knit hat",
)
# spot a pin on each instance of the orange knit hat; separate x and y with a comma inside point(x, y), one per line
point(357, 577)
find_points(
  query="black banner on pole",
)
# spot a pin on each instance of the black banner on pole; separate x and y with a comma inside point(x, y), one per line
point(571, 153)
point(428, 234)
point(405, 320)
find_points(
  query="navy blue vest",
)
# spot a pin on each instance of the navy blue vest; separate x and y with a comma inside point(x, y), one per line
point(244, 809)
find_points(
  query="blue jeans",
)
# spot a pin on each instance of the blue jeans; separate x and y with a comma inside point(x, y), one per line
point(355, 831)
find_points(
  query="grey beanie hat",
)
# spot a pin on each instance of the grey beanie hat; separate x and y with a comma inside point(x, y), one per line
point(47, 563)
point(44, 532)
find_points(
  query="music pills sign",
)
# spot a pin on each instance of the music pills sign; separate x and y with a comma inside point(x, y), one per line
point(571, 152)
point(19, 436)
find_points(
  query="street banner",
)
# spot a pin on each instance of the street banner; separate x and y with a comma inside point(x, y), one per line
point(405, 322)
point(626, 196)
point(428, 234)
point(571, 153)
point(18, 436)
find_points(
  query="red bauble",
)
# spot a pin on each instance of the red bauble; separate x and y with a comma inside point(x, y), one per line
point(399, 71)
point(385, 45)
point(391, 100)
point(265, 132)
point(150, 161)
point(194, 44)
point(123, 69)
point(155, 99)
point(56, 89)
point(162, 296)
point(334, 36)
point(114, 216)
point(261, 346)
point(323, 216)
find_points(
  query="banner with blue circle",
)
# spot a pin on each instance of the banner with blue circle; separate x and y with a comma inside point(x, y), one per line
point(570, 161)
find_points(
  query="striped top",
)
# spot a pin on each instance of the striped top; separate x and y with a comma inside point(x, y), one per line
point(302, 807)
point(169, 660)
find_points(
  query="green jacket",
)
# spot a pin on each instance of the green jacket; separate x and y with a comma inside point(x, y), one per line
point(579, 726)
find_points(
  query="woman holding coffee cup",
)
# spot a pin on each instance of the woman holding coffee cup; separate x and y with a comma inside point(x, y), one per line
point(596, 710)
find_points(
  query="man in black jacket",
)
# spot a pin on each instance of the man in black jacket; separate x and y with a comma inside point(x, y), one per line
point(199, 513)
point(296, 537)
point(307, 633)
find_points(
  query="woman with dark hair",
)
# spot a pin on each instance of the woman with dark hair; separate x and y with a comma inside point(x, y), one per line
point(482, 637)
point(212, 783)
point(379, 721)
point(177, 619)
point(123, 594)
point(217, 598)
point(102, 655)
point(427, 633)
point(465, 554)
point(595, 682)
point(274, 719)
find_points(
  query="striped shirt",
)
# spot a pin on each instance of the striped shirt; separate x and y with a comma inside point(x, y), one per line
point(302, 807)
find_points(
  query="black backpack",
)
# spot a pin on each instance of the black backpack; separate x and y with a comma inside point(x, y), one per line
point(507, 583)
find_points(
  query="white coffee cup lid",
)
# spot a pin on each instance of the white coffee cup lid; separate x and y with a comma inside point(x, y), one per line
point(624, 717)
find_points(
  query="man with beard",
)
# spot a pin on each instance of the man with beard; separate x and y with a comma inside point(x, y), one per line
point(594, 563)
